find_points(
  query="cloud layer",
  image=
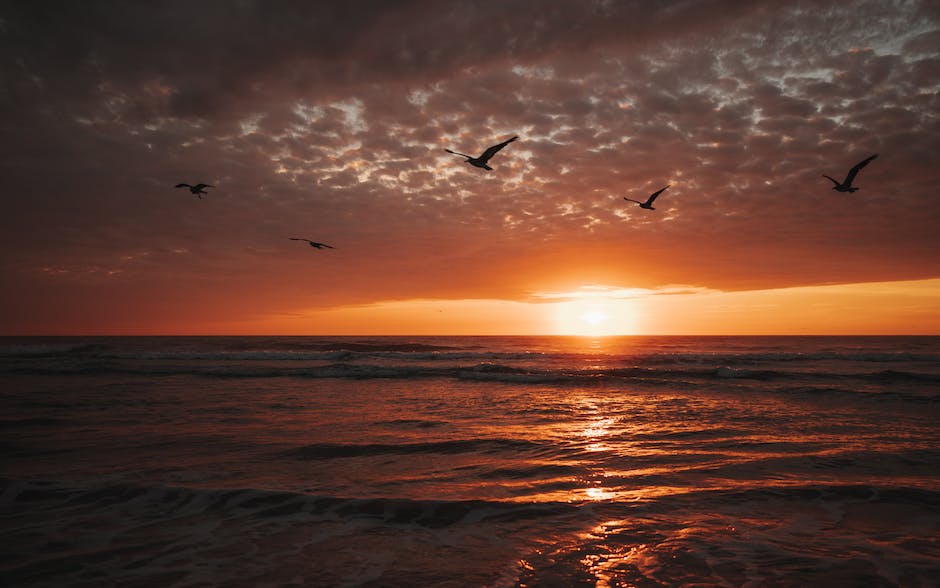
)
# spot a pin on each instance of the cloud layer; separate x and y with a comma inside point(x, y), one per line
point(329, 120)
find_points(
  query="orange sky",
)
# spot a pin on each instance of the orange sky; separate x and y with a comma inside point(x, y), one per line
point(329, 122)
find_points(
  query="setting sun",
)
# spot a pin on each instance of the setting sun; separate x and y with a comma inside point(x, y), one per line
point(589, 315)
point(594, 317)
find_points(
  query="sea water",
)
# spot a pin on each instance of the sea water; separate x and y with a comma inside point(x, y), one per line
point(470, 461)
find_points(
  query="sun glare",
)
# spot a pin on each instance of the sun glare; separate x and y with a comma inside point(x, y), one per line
point(593, 317)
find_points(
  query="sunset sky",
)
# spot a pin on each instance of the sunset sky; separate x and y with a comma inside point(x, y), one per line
point(328, 121)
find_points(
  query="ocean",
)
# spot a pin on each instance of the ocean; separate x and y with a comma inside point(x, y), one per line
point(470, 461)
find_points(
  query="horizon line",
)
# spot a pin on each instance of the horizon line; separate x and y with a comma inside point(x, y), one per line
point(605, 336)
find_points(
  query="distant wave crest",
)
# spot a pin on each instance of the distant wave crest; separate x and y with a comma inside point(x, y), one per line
point(330, 451)
point(482, 371)
point(170, 501)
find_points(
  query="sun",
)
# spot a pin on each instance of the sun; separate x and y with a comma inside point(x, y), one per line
point(594, 317)
point(591, 318)
point(594, 311)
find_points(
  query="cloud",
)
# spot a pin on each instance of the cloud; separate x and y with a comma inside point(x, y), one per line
point(329, 120)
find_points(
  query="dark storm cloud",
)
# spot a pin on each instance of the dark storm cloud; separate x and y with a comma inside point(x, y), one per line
point(182, 59)
point(330, 118)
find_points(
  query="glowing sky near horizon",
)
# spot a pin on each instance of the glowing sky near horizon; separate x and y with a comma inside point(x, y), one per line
point(329, 121)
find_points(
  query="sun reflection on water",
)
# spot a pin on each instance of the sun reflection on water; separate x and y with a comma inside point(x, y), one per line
point(594, 436)
point(599, 493)
point(595, 433)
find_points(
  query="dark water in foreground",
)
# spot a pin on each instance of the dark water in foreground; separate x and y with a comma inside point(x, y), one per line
point(461, 461)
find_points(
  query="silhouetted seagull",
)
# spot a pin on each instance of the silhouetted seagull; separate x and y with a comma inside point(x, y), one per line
point(846, 185)
point(482, 159)
point(313, 244)
point(197, 189)
point(648, 205)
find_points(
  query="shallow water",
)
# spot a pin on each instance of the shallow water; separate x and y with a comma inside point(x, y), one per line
point(269, 461)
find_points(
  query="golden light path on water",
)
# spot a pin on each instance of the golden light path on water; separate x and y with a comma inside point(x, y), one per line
point(614, 437)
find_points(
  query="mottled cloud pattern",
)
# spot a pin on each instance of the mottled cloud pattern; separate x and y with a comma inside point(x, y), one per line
point(328, 120)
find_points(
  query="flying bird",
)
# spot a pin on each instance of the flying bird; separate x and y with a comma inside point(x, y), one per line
point(648, 205)
point(482, 159)
point(198, 189)
point(313, 244)
point(846, 185)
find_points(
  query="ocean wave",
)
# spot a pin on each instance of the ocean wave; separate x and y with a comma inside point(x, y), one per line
point(412, 423)
point(780, 536)
point(796, 535)
point(485, 371)
point(66, 534)
point(711, 433)
point(789, 357)
point(42, 350)
point(374, 347)
point(729, 372)
point(536, 472)
point(890, 376)
point(247, 349)
point(339, 353)
point(491, 372)
point(811, 492)
point(333, 451)
point(172, 501)
point(179, 500)
point(926, 396)
point(796, 462)
point(254, 355)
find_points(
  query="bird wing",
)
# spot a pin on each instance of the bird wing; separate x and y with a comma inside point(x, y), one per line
point(461, 154)
point(183, 186)
point(325, 245)
point(831, 179)
point(632, 200)
point(854, 171)
point(201, 186)
point(655, 194)
point(298, 239)
point(492, 150)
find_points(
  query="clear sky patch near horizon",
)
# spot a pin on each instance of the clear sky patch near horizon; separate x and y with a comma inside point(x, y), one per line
point(328, 121)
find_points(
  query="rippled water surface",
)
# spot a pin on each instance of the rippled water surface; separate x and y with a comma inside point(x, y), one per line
point(262, 461)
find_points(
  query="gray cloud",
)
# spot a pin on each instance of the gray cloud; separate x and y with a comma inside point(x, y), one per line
point(328, 120)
